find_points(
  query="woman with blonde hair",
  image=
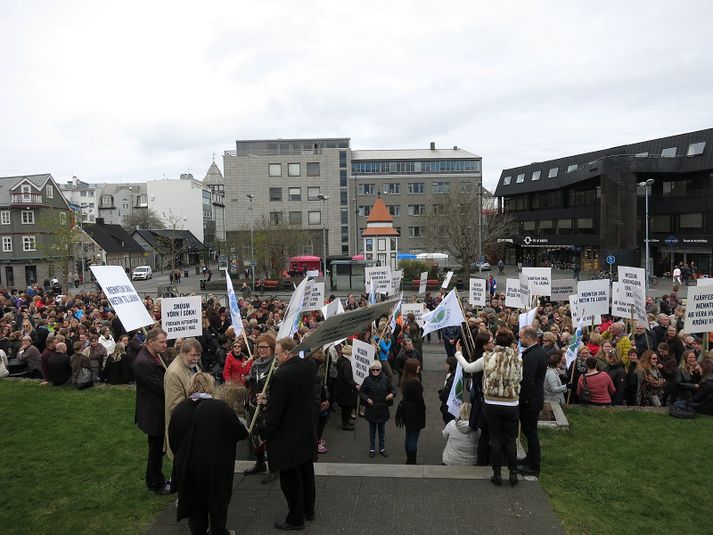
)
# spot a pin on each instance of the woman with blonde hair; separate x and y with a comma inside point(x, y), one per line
point(203, 434)
point(461, 440)
point(651, 382)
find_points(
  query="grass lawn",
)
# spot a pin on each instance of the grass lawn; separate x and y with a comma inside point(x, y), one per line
point(629, 472)
point(72, 461)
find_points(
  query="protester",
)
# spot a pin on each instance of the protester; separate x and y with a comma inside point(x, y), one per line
point(32, 357)
point(176, 380)
point(114, 368)
point(532, 397)
point(345, 394)
point(594, 387)
point(460, 448)
point(650, 381)
point(377, 394)
point(688, 377)
point(59, 370)
point(554, 389)
point(237, 363)
point(702, 400)
point(617, 373)
point(411, 411)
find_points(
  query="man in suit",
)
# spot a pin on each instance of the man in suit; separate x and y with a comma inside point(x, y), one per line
point(532, 396)
point(290, 432)
point(149, 370)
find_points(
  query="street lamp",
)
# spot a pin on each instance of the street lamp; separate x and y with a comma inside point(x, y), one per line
point(252, 225)
point(324, 198)
point(647, 188)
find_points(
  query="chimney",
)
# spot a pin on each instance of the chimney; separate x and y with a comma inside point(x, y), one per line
point(99, 220)
point(433, 145)
point(455, 147)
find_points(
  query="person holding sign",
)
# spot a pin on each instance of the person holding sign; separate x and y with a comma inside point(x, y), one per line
point(377, 393)
point(345, 388)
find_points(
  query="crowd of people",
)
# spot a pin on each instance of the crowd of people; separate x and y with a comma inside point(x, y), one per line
point(217, 386)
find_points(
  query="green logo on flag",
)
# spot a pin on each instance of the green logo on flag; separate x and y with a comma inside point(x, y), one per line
point(437, 318)
point(459, 388)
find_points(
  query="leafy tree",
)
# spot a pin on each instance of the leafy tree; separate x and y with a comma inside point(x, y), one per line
point(275, 244)
point(143, 219)
point(58, 241)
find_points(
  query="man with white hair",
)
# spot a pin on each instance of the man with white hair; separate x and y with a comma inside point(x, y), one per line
point(616, 335)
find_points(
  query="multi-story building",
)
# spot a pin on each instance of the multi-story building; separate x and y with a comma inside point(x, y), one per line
point(28, 205)
point(300, 182)
point(411, 182)
point(83, 198)
point(119, 201)
point(587, 207)
point(215, 182)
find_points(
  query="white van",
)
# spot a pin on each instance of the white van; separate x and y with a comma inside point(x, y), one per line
point(141, 273)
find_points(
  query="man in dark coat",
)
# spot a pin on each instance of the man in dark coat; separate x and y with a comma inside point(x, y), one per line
point(290, 433)
point(345, 387)
point(58, 369)
point(148, 373)
point(532, 396)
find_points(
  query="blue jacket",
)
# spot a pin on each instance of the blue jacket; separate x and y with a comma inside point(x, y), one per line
point(383, 347)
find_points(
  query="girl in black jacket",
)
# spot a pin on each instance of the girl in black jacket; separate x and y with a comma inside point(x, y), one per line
point(412, 409)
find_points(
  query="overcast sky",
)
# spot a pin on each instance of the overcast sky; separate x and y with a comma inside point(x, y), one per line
point(133, 91)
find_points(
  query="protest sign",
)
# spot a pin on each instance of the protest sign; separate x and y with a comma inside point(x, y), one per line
point(578, 317)
point(632, 291)
point(332, 309)
point(181, 316)
point(422, 283)
point(417, 309)
point(699, 309)
point(619, 307)
point(122, 296)
point(593, 297)
point(539, 280)
point(478, 293)
point(362, 357)
point(447, 280)
point(525, 293)
point(562, 289)
point(527, 318)
point(344, 325)
point(512, 293)
point(705, 281)
point(396, 277)
point(380, 276)
point(314, 296)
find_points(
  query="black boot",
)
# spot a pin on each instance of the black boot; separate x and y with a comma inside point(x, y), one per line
point(260, 465)
point(496, 478)
point(513, 478)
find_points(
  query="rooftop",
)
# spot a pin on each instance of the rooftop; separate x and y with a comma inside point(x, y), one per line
point(413, 154)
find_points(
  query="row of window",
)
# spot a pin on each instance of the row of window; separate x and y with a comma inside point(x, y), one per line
point(412, 188)
point(293, 169)
point(414, 210)
point(28, 244)
point(27, 217)
point(582, 225)
point(447, 166)
point(295, 194)
point(295, 218)
point(26, 190)
point(694, 149)
point(676, 222)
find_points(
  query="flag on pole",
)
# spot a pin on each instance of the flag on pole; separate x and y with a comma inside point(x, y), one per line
point(235, 316)
point(455, 397)
point(447, 313)
point(572, 348)
point(372, 293)
point(292, 314)
point(395, 313)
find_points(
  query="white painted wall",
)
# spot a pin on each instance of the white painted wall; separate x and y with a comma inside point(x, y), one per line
point(181, 198)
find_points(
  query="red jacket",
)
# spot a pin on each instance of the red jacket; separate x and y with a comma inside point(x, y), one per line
point(600, 386)
point(235, 369)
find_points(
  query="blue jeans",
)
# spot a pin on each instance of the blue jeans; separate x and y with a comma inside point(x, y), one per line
point(411, 441)
point(372, 435)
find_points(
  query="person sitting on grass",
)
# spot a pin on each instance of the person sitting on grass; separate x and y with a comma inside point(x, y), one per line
point(688, 376)
point(651, 383)
point(461, 440)
point(702, 401)
point(599, 385)
point(58, 369)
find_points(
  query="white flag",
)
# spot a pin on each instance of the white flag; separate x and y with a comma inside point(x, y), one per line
point(455, 397)
point(447, 313)
point(293, 312)
point(235, 317)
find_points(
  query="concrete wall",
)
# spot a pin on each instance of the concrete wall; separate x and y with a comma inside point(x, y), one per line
point(180, 199)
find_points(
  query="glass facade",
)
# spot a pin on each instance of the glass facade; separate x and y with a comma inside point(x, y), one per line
point(415, 167)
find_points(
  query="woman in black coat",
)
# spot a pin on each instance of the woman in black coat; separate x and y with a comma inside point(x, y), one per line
point(412, 409)
point(687, 377)
point(377, 393)
point(345, 390)
point(203, 433)
point(618, 376)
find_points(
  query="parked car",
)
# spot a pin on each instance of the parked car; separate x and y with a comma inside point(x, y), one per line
point(480, 266)
point(141, 273)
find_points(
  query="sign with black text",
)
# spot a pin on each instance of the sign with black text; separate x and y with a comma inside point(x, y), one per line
point(181, 317)
point(539, 280)
point(478, 293)
point(593, 297)
point(699, 309)
point(362, 357)
point(562, 289)
point(122, 296)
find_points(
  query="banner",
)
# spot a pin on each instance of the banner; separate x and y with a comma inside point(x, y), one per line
point(619, 307)
point(396, 277)
point(422, 283)
point(362, 357)
point(396, 313)
point(699, 309)
point(577, 316)
point(527, 318)
point(447, 313)
point(417, 309)
point(593, 297)
point(632, 291)
point(181, 317)
point(562, 289)
point(455, 397)
point(447, 280)
point(345, 325)
point(380, 276)
point(293, 312)
point(122, 296)
point(235, 317)
point(525, 294)
point(314, 296)
point(539, 280)
point(707, 281)
point(478, 294)
point(512, 294)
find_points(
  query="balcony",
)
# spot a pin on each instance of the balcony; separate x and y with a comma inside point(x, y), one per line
point(27, 200)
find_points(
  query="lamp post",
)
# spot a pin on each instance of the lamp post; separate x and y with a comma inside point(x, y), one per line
point(647, 188)
point(324, 199)
point(252, 231)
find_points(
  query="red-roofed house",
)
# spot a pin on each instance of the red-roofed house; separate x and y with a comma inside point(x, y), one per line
point(381, 239)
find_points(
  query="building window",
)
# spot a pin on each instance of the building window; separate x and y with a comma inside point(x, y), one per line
point(106, 201)
point(507, 180)
point(440, 188)
point(7, 244)
point(275, 194)
point(125, 204)
point(28, 217)
point(364, 211)
point(5, 217)
point(345, 234)
point(585, 225)
point(572, 167)
point(294, 194)
point(295, 218)
point(641, 155)
point(366, 189)
point(143, 200)
point(312, 168)
point(28, 243)
point(293, 169)
point(536, 175)
point(314, 217)
point(313, 193)
point(344, 216)
point(392, 188)
point(528, 226)
point(416, 209)
point(440, 209)
point(369, 244)
point(275, 218)
point(691, 221)
point(395, 210)
point(343, 197)
point(415, 187)
point(554, 171)
point(466, 187)
point(520, 178)
point(343, 178)
point(670, 152)
point(694, 149)
point(345, 249)
point(661, 223)
point(49, 191)
point(342, 158)
point(63, 218)
point(274, 169)
point(546, 226)
point(564, 226)
point(415, 232)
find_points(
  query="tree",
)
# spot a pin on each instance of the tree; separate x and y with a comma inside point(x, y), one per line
point(275, 244)
point(58, 241)
point(144, 219)
point(169, 244)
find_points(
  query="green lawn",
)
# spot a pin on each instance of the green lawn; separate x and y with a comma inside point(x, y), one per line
point(72, 461)
point(626, 472)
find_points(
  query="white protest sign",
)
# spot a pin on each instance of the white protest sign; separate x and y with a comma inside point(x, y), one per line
point(380, 277)
point(539, 280)
point(362, 357)
point(593, 297)
point(417, 309)
point(477, 296)
point(312, 273)
point(707, 281)
point(422, 283)
point(181, 317)
point(527, 318)
point(562, 289)
point(632, 292)
point(447, 280)
point(396, 277)
point(122, 296)
point(332, 309)
point(699, 309)
point(314, 296)
point(619, 307)
point(525, 293)
point(587, 320)
point(512, 293)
